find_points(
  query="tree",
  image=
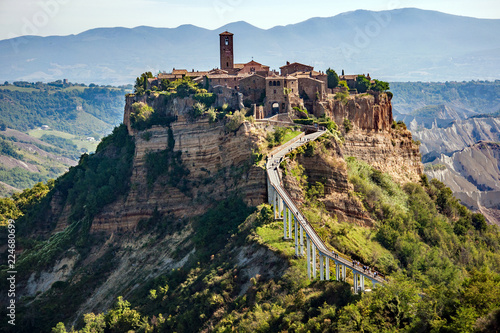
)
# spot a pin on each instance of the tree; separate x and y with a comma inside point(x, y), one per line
point(141, 83)
point(333, 78)
point(140, 114)
point(362, 84)
point(379, 85)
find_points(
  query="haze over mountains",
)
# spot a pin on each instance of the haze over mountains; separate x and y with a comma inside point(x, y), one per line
point(399, 45)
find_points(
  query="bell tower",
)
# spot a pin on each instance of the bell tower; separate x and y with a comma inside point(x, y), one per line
point(226, 51)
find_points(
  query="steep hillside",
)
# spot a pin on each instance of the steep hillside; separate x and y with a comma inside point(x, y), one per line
point(229, 269)
point(68, 107)
point(459, 135)
point(473, 174)
point(168, 213)
point(464, 49)
point(44, 128)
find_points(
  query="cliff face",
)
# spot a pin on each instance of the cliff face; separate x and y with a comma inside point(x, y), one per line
point(366, 112)
point(218, 164)
point(391, 151)
point(328, 167)
point(473, 174)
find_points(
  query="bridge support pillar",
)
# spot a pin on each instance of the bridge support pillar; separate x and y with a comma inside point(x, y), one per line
point(275, 204)
point(289, 223)
point(321, 267)
point(280, 207)
point(344, 272)
point(327, 268)
point(284, 224)
point(337, 271)
point(301, 241)
point(313, 247)
point(308, 251)
point(362, 282)
point(296, 237)
point(355, 280)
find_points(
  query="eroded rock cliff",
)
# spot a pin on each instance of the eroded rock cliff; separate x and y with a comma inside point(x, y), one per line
point(218, 164)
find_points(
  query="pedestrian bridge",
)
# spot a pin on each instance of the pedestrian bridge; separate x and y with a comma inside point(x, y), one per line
point(297, 228)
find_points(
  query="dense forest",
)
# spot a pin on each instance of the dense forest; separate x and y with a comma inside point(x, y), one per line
point(74, 115)
point(75, 109)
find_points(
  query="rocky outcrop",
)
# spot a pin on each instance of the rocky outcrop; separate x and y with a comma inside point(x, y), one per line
point(365, 111)
point(391, 151)
point(473, 174)
point(328, 167)
point(457, 136)
point(219, 164)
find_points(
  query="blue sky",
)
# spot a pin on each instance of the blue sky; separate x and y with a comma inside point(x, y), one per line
point(64, 17)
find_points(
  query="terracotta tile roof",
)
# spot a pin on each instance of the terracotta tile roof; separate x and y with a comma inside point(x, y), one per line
point(226, 33)
point(295, 63)
point(197, 73)
point(348, 77)
point(179, 71)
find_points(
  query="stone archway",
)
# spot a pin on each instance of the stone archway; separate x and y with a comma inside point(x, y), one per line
point(275, 108)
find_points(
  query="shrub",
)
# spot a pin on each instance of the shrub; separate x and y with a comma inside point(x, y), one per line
point(206, 98)
point(362, 84)
point(235, 121)
point(140, 115)
point(347, 125)
point(308, 121)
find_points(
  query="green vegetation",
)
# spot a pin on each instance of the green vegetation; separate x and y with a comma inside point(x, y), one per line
point(167, 163)
point(235, 121)
point(332, 78)
point(362, 84)
point(347, 125)
point(398, 125)
point(22, 178)
point(379, 85)
point(82, 143)
point(342, 96)
point(141, 83)
point(20, 203)
point(280, 136)
point(82, 111)
point(96, 181)
point(57, 141)
point(8, 149)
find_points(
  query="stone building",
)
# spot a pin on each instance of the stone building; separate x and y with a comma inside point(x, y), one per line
point(281, 94)
point(253, 88)
point(226, 51)
point(295, 67)
point(253, 83)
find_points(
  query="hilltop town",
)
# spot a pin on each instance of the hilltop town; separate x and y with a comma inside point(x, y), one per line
point(269, 92)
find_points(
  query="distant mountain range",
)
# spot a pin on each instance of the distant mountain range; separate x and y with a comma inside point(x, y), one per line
point(398, 45)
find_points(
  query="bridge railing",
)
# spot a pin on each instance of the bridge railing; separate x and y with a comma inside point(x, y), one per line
point(307, 227)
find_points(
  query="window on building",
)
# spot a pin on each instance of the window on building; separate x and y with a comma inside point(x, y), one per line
point(270, 83)
point(278, 83)
point(274, 83)
point(275, 91)
point(226, 41)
